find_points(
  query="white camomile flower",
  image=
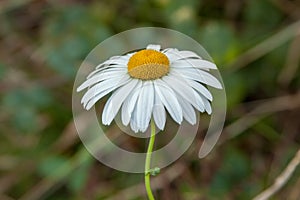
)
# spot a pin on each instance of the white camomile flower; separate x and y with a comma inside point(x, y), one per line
point(147, 83)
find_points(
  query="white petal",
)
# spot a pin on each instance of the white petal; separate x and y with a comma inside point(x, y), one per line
point(172, 54)
point(169, 49)
point(175, 55)
point(88, 104)
point(195, 63)
point(100, 90)
point(184, 91)
point(114, 103)
point(200, 88)
point(207, 105)
point(129, 104)
point(100, 77)
point(144, 106)
point(127, 56)
point(188, 111)
point(159, 113)
point(188, 54)
point(97, 89)
point(200, 76)
point(168, 98)
point(155, 47)
point(122, 68)
point(200, 104)
point(133, 121)
point(122, 60)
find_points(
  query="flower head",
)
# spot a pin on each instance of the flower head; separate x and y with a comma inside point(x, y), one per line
point(149, 82)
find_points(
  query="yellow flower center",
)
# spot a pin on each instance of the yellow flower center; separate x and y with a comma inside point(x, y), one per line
point(148, 64)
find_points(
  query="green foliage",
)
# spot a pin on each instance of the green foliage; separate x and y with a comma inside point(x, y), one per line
point(74, 171)
point(219, 39)
point(69, 35)
point(77, 182)
point(2, 71)
point(235, 86)
point(232, 172)
point(262, 14)
point(24, 104)
point(55, 167)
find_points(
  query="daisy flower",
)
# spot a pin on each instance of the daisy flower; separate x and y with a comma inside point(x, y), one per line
point(150, 82)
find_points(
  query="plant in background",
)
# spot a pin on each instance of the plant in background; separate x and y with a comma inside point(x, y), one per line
point(147, 83)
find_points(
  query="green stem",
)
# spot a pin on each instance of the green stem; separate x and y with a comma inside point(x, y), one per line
point(148, 161)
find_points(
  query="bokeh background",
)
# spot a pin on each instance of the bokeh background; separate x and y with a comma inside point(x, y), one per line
point(255, 43)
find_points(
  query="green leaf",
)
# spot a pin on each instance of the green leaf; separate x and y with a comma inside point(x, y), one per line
point(70, 34)
point(35, 97)
point(2, 70)
point(263, 13)
point(55, 167)
point(234, 169)
point(25, 120)
point(79, 177)
point(220, 42)
point(235, 88)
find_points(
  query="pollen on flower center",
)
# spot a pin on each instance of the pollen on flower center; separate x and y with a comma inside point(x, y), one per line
point(148, 64)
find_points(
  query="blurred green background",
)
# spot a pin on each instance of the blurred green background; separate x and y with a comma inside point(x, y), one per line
point(255, 43)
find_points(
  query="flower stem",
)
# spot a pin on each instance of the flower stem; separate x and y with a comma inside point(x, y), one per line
point(148, 162)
